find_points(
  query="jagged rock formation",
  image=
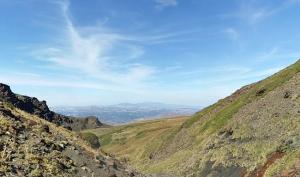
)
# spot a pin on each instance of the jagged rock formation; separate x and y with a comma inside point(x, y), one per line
point(33, 106)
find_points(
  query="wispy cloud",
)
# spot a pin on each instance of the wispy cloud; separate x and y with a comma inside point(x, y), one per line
point(160, 4)
point(268, 55)
point(250, 13)
point(95, 51)
point(101, 52)
point(245, 76)
point(254, 11)
point(232, 33)
point(277, 53)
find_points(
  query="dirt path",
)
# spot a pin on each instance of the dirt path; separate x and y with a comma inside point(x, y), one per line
point(260, 171)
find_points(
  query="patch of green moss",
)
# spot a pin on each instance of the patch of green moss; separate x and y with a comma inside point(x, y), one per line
point(140, 134)
point(106, 139)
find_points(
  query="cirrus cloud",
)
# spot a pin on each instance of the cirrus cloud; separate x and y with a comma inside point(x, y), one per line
point(160, 4)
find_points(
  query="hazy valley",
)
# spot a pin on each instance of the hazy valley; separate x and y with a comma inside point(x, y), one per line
point(126, 112)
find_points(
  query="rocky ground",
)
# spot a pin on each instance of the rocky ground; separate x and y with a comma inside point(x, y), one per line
point(30, 147)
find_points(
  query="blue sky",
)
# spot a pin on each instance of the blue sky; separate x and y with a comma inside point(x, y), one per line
point(100, 52)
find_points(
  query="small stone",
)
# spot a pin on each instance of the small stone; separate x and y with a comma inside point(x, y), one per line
point(261, 92)
point(45, 128)
point(85, 169)
point(62, 146)
point(287, 94)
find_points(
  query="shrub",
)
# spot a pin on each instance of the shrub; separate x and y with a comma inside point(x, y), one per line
point(91, 138)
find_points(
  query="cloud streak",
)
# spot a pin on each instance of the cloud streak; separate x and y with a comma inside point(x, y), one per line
point(254, 11)
point(232, 33)
point(102, 53)
point(161, 4)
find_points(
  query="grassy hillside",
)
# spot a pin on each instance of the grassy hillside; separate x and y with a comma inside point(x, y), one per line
point(135, 142)
point(254, 132)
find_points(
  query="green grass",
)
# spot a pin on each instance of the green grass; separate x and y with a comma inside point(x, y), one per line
point(218, 120)
point(105, 139)
point(188, 123)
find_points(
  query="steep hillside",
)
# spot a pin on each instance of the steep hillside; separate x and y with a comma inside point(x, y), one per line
point(39, 108)
point(31, 146)
point(254, 132)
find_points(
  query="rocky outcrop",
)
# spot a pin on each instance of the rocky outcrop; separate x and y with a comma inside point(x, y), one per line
point(90, 122)
point(33, 106)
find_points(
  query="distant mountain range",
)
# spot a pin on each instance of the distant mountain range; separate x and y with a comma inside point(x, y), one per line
point(127, 112)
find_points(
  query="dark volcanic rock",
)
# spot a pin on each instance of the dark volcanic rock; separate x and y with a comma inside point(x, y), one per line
point(6, 94)
point(32, 105)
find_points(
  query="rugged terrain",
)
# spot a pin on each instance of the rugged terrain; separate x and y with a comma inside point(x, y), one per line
point(33, 142)
point(254, 132)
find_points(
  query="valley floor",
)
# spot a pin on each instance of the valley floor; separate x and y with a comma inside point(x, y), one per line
point(132, 143)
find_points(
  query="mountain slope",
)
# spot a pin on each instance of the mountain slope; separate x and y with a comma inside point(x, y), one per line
point(254, 132)
point(33, 143)
point(31, 146)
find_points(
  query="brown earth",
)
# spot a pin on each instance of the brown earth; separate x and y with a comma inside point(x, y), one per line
point(260, 172)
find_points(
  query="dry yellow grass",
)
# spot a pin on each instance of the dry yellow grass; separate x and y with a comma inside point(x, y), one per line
point(134, 143)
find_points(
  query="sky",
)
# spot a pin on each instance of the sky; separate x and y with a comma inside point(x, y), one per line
point(101, 52)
